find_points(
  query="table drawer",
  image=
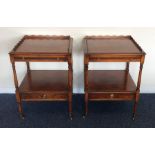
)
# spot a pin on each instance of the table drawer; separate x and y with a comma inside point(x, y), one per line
point(43, 58)
point(111, 96)
point(44, 96)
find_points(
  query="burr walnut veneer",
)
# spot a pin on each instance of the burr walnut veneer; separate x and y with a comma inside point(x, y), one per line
point(111, 84)
point(43, 85)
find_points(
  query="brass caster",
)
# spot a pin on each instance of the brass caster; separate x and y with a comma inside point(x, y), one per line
point(84, 116)
point(22, 117)
point(71, 117)
point(133, 117)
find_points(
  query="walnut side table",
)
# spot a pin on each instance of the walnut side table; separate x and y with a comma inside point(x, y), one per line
point(111, 84)
point(43, 85)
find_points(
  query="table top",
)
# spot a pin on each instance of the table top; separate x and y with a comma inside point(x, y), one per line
point(38, 44)
point(111, 45)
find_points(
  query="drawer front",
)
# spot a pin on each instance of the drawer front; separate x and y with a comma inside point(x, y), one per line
point(44, 96)
point(42, 58)
point(114, 58)
point(111, 96)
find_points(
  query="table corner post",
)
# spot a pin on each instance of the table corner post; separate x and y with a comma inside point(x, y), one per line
point(138, 86)
point(18, 97)
point(86, 61)
point(70, 84)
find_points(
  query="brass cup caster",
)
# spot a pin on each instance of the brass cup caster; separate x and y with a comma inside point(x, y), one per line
point(84, 116)
point(71, 117)
point(133, 117)
point(22, 117)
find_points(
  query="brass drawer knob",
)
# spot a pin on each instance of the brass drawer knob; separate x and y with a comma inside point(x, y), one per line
point(44, 96)
point(111, 95)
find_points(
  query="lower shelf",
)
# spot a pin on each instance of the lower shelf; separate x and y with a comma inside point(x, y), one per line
point(110, 81)
point(45, 85)
point(110, 85)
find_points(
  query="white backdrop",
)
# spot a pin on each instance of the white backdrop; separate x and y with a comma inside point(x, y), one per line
point(145, 37)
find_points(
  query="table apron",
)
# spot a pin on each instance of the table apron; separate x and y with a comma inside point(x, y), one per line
point(41, 59)
point(114, 58)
